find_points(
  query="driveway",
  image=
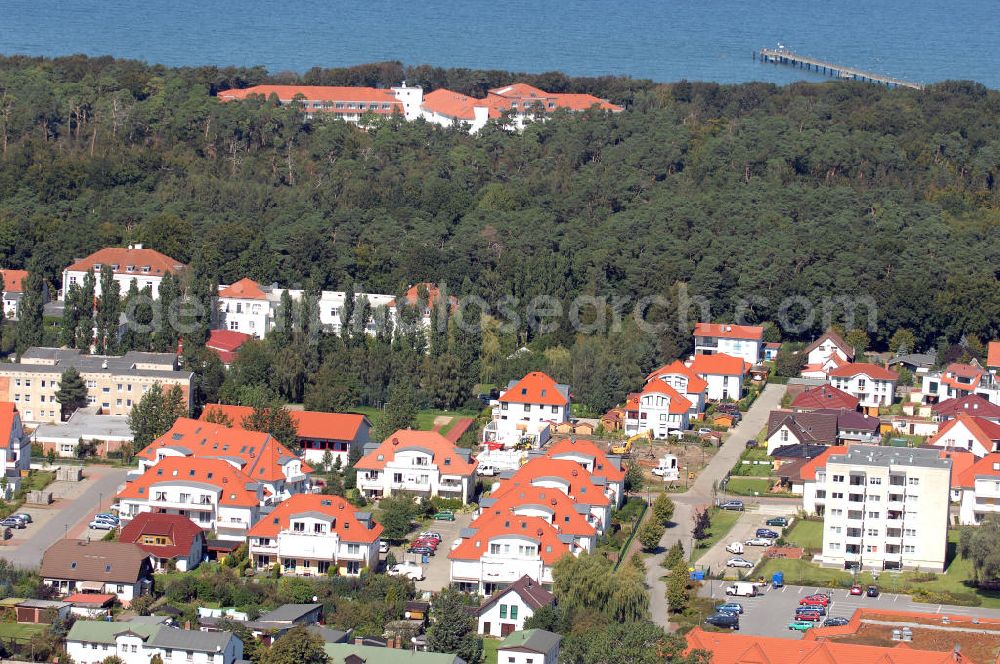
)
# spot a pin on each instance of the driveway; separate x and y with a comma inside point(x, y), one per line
point(770, 613)
point(66, 517)
point(702, 493)
point(746, 528)
point(437, 572)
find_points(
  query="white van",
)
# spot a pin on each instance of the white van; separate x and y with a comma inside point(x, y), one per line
point(735, 547)
point(742, 589)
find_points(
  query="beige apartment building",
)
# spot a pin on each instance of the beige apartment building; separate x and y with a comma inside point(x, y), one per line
point(886, 508)
point(114, 383)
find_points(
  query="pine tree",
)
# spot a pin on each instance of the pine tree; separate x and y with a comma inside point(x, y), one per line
point(281, 334)
point(165, 336)
point(30, 331)
point(85, 313)
point(139, 309)
point(347, 314)
point(72, 392)
point(108, 310)
point(71, 316)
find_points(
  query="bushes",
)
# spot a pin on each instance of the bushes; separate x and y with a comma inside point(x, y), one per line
point(945, 597)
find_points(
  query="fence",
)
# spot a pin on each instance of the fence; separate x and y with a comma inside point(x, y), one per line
point(622, 552)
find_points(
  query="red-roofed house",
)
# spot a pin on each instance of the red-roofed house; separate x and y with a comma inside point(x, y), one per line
point(310, 533)
point(552, 505)
point(226, 344)
point(824, 396)
point(980, 487)
point(590, 492)
point(595, 460)
point(350, 104)
point(874, 386)
point(166, 538)
point(246, 306)
point(828, 344)
point(967, 432)
point(689, 384)
point(146, 267)
point(316, 433)
point(15, 447)
point(659, 409)
point(956, 381)
point(973, 404)
point(423, 463)
point(13, 289)
point(504, 548)
point(723, 373)
point(993, 356)
point(732, 648)
point(743, 341)
point(527, 409)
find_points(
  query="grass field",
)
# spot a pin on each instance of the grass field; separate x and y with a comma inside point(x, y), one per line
point(748, 486)
point(490, 650)
point(19, 631)
point(807, 534)
point(722, 522)
point(425, 418)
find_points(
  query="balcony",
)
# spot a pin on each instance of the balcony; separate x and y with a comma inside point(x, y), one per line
point(300, 544)
point(450, 486)
point(180, 504)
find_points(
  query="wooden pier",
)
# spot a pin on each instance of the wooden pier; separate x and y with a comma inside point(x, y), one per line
point(786, 57)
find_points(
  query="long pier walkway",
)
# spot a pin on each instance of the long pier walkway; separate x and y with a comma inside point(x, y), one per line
point(786, 57)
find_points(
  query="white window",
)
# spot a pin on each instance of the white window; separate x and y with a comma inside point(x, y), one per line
point(909, 548)
point(875, 480)
point(838, 478)
point(835, 546)
point(913, 481)
point(874, 515)
point(910, 532)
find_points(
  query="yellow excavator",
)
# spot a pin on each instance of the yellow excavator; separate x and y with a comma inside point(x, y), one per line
point(626, 447)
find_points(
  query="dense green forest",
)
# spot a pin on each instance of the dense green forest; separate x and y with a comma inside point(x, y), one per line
point(720, 192)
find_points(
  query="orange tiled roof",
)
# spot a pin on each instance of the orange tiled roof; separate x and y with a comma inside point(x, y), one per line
point(966, 477)
point(533, 528)
point(345, 524)
point(695, 382)
point(825, 396)
point(13, 280)
point(726, 331)
point(727, 648)
point(158, 264)
point(719, 364)
point(993, 354)
point(536, 387)
point(231, 483)
point(678, 403)
point(808, 471)
point(583, 102)
point(987, 433)
point(602, 465)
point(519, 91)
point(448, 460)
point(412, 296)
point(323, 93)
point(563, 509)
point(308, 424)
point(873, 371)
point(582, 487)
point(8, 413)
point(454, 105)
point(181, 530)
point(245, 289)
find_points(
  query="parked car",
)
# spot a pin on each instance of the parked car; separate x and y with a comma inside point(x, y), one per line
point(11, 522)
point(819, 599)
point(23, 517)
point(445, 515)
point(430, 534)
point(872, 591)
point(729, 607)
point(751, 444)
point(421, 550)
point(429, 543)
point(97, 524)
point(779, 521)
point(704, 430)
point(835, 622)
point(383, 547)
point(739, 562)
point(487, 471)
point(107, 515)
point(856, 589)
point(766, 532)
point(800, 625)
point(732, 505)
point(407, 569)
point(811, 616)
point(760, 541)
point(817, 609)
point(742, 589)
point(735, 547)
point(729, 620)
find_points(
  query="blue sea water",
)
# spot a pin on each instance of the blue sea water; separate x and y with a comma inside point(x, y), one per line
point(666, 40)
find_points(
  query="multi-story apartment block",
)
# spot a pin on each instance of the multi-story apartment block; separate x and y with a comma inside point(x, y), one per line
point(590, 492)
point(601, 465)
point(874, 386)
point(958, 381)
point(886, 508)
point(723, 374)
point(146, 267)
point(980, 490)
point(526, 411)
point(140, 640)
point(350, 104)
point(13, 289)
point(571, 520)
point(114, 383)
point(423, 463)
point(687, 383)
point(658, 409)
point(308, 534)
point(742, 341)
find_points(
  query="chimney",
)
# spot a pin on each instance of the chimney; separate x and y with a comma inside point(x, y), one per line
point(187, 624)
point(358, 641)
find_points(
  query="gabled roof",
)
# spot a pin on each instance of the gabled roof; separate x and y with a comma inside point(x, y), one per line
point(851, 419)
point(226, 343)
point(582, 487)
point(342, 515)
point(536, 387)
point(412, 296)
point(679, 404)
point(808, 471)
point(985, 432)
point(809, 427)
point(719, 364)
point(993, 355)
point(988, 466)
point(726, 331)
point(323, 93)
point(564, 510)
point(181, 530)
point(13, 280)
point(158, 264)
point(824, 396)
point(837, 341)
point(550, 547)
point(449, 459)
point(873, 371)
point(8, 416)
point(530, 591)
point(313, 425)
point(244, 289)
point(531, 640)
point(603, 466)
point(82, 560)
point(234, 487)
point(695, 382)
point(971, 404)
point(454, 104)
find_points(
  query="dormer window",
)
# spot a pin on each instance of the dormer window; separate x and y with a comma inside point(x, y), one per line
point(130, 268)
point(145, 268)
point(97, 267)
point(114, 267)
point(524, 391)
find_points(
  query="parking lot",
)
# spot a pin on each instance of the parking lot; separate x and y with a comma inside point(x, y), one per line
point(437, 572)
point(769, 614)
point(745, 529)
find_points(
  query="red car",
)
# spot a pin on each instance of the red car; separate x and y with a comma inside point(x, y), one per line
point(814, 600)
point(432, 543)
point(809, 615)
point(857, 590)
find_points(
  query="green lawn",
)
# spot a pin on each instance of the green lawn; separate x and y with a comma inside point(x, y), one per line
point(39, 479)
point(490, 646)
point(807, 534)
point(19, 632)
point(748, 486)
point(425, 418)
point(722, 522)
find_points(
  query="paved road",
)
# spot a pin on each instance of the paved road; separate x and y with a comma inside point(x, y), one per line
point(701, 494)
point(770, 613)
point(70, 518)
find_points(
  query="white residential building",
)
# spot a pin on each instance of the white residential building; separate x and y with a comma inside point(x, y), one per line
point(308, 534)
point(874, 386)
point(659, 409)
point(829, 344)
point(722, 373)
point(526, 411)
point(886, 508)
point(424, 463)
point(348, 103)
point(507, 609)
point(980, 486)
point(139, 640)
point(968, 433)
point(13, 290)
point(145, 267)
point(531, 646)
point(743, 341)
point(958, 381)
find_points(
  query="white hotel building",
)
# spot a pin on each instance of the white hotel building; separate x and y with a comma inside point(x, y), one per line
point(886, 508)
